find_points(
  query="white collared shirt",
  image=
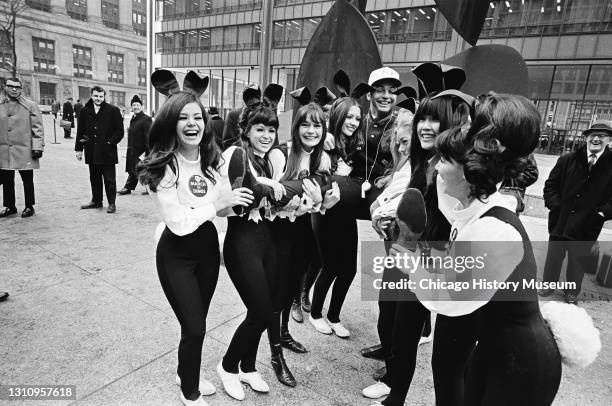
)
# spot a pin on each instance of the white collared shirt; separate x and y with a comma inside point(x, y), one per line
point(597, 155)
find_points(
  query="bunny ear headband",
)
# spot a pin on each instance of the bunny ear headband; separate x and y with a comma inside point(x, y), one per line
point(434, 77)
point(165, 82)
point(323, 96)
point(271, 96)
point(343, 85)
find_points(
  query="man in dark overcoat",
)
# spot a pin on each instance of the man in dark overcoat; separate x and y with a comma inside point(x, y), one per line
point(578, 193)
point(99, 130)
point(138, 131)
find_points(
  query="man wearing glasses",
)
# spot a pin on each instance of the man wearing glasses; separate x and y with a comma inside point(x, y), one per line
point(21, 146)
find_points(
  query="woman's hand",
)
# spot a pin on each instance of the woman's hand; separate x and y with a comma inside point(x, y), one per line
point(279, 190)
point(332, 196)
point(230, 198)
point(312, 190)
point(293, 204)
point(382, 181)
point(380, 225)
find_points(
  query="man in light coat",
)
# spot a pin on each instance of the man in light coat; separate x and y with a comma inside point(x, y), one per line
point(21, 146)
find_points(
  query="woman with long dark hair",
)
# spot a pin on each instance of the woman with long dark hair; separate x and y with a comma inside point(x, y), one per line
point(296, 244)
point(181, 176)
point(251, 259)
point(336, 231)
point(411, 318)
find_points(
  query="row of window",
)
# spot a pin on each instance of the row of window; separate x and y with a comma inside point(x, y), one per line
point(234, 37)
point(409, 25)
point(175, 9)
point(43, 51)
point(77, 9)
point(546, 17)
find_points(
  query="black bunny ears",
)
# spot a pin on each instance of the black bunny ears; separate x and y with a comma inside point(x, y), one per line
point(165, 82)
point(435, 77)
point(323, 96)
point(271, 96)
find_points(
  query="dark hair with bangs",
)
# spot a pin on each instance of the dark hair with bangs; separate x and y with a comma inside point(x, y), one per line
point(163, 143)
point(337, 115)
point(250, 116)
point(314, 113)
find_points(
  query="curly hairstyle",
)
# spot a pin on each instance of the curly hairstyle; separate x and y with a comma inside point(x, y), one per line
point(163, 143)
point(505, 129)
point(260, 113)
point(337, 115)
point(315, 114)
point(404, 121)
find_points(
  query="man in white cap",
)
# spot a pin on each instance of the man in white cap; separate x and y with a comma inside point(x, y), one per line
point(375, 160)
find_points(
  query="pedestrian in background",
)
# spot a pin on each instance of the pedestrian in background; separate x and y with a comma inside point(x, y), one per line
point(138, 131)
point(100, 129)
point(22, 142)
point(215, 125)
point(55, 107)
point(578, 193)
point(68, 115)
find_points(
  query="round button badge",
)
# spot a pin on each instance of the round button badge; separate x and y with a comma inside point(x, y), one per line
point(198, 186)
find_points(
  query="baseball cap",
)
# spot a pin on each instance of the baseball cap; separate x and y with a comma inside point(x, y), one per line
point(384, 73)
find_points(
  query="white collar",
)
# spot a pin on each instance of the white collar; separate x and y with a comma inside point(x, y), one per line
point(597, 155)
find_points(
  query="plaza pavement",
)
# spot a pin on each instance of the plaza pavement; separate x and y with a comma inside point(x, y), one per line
point(86, 309)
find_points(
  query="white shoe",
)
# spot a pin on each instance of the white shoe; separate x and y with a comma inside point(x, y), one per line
point(198, 402)
point(255, 381)
point(231, 383)
point(206, 387)
point(340, 330)
point(375, 391)
point(320, 325)
point(425, 340)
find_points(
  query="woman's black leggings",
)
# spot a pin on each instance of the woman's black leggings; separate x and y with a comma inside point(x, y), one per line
point(336, 236)
point(251, 261)
point(188, 269)
point(295, 246)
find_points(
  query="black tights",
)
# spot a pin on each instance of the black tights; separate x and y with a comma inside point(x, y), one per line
point(188, 269)
point(251, 261)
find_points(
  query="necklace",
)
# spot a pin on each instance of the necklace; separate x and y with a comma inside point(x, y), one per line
point(366, 186)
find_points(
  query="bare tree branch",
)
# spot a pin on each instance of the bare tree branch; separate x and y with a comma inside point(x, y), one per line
point(10, 10)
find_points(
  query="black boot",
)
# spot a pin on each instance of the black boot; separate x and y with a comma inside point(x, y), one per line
point(283, 374)
point(296, 312)
point(305, 294)
point(285, 337)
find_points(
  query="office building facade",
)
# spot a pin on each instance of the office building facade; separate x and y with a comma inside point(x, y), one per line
point(64, 47)
point(567, 45)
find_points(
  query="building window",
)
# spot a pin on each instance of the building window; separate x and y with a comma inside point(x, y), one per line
point(6, 53)
point(44, 55)
point(42, 5)
point(507, 18)
point(409, 25)
point(176, 9)
point(139, 17)
point(81, 60)
point(110, 13)
point(47, 92)
point(77, 9)
point(115, 67)
point(294, 33)
point(142, 72)
point(116, 98)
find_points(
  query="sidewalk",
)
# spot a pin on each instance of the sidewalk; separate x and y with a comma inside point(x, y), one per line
point(86, 309)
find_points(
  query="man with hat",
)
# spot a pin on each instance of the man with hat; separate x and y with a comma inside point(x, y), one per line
point(578, 193)
point(137, 144)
